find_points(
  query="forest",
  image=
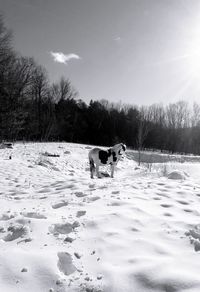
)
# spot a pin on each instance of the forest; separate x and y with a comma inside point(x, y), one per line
point(34, 109)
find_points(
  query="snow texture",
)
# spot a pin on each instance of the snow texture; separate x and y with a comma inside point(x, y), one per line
point(62, 231)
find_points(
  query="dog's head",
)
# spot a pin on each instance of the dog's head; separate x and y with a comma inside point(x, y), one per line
point(119, 149)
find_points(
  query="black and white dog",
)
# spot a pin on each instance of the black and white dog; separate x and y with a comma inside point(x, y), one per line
point(111, 156)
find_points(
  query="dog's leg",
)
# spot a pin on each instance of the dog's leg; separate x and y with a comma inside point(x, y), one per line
point(97, 170)
point(112, 170)
point(92, 168)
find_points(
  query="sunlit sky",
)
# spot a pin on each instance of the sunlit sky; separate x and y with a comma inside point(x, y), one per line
point(136, 51)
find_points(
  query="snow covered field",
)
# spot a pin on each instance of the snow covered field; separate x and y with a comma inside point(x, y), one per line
point(62, 231)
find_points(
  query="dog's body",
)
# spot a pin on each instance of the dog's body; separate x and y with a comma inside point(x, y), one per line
point(111, 156)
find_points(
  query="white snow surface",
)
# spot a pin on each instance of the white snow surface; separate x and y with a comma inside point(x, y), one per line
point(62, 231)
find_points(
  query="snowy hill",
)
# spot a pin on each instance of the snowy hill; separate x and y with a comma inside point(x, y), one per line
point(62, 231)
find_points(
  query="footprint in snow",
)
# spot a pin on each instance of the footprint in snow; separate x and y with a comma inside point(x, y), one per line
point(80, 194)
point(183, 202)
point(6, 217)
point(188, 210)
point(166, 205)
point(23, 221)
point(64, 228)
point(162, 195)
point(194, 235)
point(65, 264)
point(168, 214)
point(44, 190)
point(34, 215)
point(80, 213)
point(135, 229)
point(117, 203)
point(115, 192)
point(157, 198)
point(94, 198)
point(59, 205)
point(16, 231)
point(69, 186)
point(17, 198)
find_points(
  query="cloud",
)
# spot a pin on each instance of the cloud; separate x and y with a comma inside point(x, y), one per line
point(117, 39)
point(63, 58)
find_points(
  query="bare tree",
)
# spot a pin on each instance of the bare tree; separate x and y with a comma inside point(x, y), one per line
point(63, 90)
point(178, 115)
point(195, 120)
point(183, 114)
point(143, 130)
point(40, 89)
point(5, 44)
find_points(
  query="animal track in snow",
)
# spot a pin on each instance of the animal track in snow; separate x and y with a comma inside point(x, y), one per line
point(116, 204)
point(182, 202)
point(64, 228)
point(6, 217)
point(59, 205)
point(23, 221)
point(16, 231)
point(162, 195)
point(157, 198)
point(80, 194)
point(44, 190)
point(194, 236)
point(188, 210)
point(66, 186)
point(34, 215)
point(166, 205)
point(168, 214)
point(115, 192)
point(80, 213)
point(65, 264)
point(94, 198)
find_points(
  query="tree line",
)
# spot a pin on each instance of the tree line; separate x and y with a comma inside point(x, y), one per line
point(34, 109)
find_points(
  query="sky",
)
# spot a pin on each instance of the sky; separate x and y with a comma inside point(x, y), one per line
point(135, 51)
